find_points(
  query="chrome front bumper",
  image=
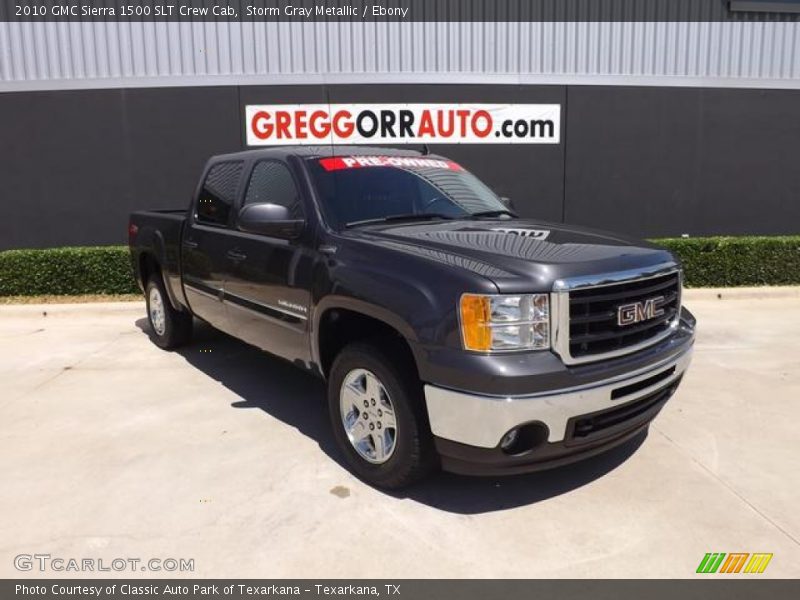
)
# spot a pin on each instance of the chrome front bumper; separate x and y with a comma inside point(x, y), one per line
point(482, 421)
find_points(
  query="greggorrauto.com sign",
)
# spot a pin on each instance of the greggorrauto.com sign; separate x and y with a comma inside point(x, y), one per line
point(290, 124)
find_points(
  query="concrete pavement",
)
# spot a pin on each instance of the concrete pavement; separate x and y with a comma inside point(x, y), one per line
point(113, 448)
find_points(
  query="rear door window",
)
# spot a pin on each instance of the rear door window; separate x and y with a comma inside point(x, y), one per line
point(217, 198)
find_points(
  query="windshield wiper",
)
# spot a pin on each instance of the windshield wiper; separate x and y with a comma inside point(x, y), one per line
point(494, 213)
point(402, 217)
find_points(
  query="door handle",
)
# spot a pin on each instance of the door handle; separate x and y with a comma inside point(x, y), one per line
point(190, 244)
point(235, 255)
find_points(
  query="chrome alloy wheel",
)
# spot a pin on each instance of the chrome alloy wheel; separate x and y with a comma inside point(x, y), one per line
point(157, 317)
point(368, 416)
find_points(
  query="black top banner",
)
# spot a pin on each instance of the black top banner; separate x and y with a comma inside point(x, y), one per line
point(399, 10)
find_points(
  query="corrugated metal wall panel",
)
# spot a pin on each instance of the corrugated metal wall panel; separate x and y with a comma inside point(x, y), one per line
point(55, 55)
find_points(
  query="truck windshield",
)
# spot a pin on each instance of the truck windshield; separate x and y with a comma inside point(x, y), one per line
point(356, 190)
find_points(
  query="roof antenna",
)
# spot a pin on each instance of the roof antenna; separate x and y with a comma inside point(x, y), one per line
point(425, 150)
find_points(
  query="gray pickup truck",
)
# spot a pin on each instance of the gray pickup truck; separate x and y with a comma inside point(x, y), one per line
point(451, 333)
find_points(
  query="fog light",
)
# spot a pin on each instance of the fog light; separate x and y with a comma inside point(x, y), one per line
point(524, 438)
point(509, 439)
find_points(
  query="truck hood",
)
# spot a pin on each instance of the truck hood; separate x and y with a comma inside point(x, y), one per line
point(517, 255)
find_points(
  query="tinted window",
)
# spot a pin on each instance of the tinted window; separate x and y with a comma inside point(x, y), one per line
point(218, 193)
point(361, 188)
point(272, 182)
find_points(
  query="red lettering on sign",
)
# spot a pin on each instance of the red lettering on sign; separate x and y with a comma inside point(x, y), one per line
point(426, 125)
point(261, 126)
point(343, 129)
point(318, 124)
point(463, 115)
point(282, 121)
point(301, 124)
point(445, 131)
point(482, 132)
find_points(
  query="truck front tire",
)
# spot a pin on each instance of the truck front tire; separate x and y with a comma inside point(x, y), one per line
point(171, 328)
point(378, 416)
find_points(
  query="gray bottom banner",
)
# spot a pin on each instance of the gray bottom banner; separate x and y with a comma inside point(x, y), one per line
point(407, 589)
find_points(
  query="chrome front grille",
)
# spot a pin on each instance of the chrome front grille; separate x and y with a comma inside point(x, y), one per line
point(588, 313)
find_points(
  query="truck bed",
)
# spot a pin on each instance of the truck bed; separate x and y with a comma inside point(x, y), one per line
point(158, 233)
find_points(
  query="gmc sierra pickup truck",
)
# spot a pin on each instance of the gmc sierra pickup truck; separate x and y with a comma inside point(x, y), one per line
point(450, 332)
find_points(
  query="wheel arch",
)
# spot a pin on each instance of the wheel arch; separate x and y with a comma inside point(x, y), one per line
point(152, 259)
point(341, 321)
point(148, 265)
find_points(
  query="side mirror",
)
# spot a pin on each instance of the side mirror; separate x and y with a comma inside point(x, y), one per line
point(269, 219)
point(507, 202)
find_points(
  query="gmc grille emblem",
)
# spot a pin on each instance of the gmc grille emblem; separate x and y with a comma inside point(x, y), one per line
point(636, 312)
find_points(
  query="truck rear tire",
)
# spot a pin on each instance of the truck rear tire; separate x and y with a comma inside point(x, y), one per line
point(378, 416)
point(171, 328)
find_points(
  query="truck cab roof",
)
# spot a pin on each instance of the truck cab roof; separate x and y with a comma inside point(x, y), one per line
point(282, 152)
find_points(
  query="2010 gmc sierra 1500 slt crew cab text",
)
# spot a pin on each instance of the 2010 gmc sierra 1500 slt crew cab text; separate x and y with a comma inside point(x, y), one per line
point(450, 332)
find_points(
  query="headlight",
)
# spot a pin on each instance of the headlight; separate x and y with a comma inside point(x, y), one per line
point(497, 323)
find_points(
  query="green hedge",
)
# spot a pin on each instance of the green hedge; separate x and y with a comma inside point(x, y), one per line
point(737, 261)
point(67, 271)
point(708, 262)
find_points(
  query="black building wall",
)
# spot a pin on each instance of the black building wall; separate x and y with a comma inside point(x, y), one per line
point(665, 161)
point(73, 164)
point(646, 161)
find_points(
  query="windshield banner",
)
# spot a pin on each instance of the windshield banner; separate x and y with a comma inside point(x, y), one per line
point(315, 124)
point(401, 162)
